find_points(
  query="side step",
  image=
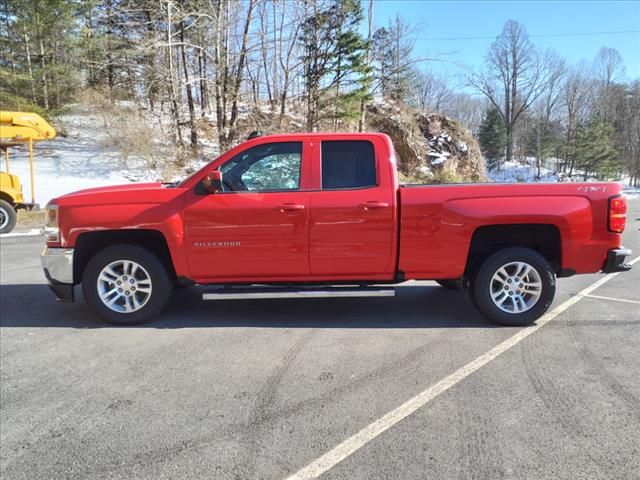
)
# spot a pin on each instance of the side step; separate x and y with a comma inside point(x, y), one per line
point(240, 293)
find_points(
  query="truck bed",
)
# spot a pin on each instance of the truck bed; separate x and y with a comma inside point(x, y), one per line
point(438, 222)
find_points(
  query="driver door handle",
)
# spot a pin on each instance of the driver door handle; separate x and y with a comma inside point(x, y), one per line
point(373, 205)
point(290, 207)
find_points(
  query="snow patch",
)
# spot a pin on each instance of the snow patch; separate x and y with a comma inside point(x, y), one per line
point(29, 233)
point(438, 158)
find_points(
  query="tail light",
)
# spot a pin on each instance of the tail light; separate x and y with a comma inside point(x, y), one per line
point(617, 213)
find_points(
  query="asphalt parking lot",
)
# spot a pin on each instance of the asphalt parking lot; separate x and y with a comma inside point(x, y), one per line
point(262, 389)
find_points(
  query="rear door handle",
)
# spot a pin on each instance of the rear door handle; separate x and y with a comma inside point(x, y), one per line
point(373, 205)
point(290, 207)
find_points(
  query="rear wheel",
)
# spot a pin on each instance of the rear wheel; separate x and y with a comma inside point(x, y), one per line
point(514, 286)
point(126, 284)
point(8, 217)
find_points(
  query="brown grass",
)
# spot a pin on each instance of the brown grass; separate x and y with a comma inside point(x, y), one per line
point(28, 220)
point(132, 133)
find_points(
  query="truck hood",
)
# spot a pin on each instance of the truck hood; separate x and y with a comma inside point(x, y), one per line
point(132, 193)
point(115, 189)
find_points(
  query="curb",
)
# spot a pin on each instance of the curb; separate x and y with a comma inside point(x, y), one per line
point(26, 233)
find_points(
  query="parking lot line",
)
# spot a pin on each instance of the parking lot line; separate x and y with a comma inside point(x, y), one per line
point(354, 443)
point(613, 299)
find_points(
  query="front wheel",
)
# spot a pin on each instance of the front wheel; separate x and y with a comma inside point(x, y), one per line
point(8, 217)
point(126, 284)
point(514, 286)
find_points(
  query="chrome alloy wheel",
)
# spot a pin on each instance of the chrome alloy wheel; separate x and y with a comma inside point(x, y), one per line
point(515, 287)
point(124, 286)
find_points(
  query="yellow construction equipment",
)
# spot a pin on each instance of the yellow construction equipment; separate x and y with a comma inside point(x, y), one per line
point(18, 128)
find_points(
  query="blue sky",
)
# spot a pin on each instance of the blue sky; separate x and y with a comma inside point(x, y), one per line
point(436, 22)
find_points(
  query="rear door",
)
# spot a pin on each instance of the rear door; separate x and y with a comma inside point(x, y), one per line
point(352, 213)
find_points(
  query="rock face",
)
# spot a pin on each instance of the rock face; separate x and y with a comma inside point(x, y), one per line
point(431, 148)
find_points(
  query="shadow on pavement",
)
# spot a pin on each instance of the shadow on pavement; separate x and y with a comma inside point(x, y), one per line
point(413, 307)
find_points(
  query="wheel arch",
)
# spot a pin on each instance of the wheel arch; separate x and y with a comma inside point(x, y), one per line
point(88, 244)
point(543, 238)
point(8, 198)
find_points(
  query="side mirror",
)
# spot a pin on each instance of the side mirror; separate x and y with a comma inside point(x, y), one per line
point(212, 183)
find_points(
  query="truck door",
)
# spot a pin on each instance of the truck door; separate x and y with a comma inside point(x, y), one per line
point(257, 227)
point(352, 222)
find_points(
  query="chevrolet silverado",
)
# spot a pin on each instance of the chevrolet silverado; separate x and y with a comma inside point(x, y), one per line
point(323, 215)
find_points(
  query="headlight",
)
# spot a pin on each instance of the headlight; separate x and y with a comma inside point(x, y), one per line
point(51, 224)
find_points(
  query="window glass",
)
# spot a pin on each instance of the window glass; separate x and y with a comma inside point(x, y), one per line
point(348, 164)
point(272, 166)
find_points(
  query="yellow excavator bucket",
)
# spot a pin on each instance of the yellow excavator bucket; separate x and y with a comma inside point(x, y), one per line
point(21, 127)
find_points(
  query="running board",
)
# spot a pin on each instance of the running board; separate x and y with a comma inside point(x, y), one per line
point(240, 293)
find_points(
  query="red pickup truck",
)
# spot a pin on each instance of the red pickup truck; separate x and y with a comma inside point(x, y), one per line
point(322, 215)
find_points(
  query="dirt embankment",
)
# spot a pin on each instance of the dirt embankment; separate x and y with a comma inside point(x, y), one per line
point(431, 148)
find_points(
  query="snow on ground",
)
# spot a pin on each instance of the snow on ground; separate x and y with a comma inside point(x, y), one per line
point(83, 158)
point(527, 173)
point(517, 172)
point(34, 232)
point(67, 164)
point(632, 193)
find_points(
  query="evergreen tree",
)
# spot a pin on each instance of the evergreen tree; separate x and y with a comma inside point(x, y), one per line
point(39, 54)
point(106, 43)
point(493, 137)
point(594, 152)
point(543, 141)
point(392, 52)
point(336, 73)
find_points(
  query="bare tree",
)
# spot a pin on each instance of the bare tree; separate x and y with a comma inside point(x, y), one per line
point(514, 77)
point(433, 92)
point(546, 106)
point(466, 109)
point(609, 69)
point(576, 96)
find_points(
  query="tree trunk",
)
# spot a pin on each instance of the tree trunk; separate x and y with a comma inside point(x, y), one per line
point(45, 85)
point(202, 73)
point(220, 73)
point(29, 67)
point(509, 154)
point(362, 102)
point(238, 79)
point(192, 111)
point(172, 82)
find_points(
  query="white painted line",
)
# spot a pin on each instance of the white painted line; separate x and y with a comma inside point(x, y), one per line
point(353, 444)
point(600, 297)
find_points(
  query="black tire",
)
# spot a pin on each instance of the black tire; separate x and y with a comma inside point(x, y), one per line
point(448, 284)
point(8, 217)
point(481, 287)
point(160, 281)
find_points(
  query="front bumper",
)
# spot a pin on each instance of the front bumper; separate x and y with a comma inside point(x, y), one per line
point(615, 261)
point(57, 264)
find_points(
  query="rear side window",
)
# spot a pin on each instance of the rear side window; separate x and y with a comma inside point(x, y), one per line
point(348, 164)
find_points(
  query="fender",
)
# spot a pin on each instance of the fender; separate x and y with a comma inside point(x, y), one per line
point(157, 209)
